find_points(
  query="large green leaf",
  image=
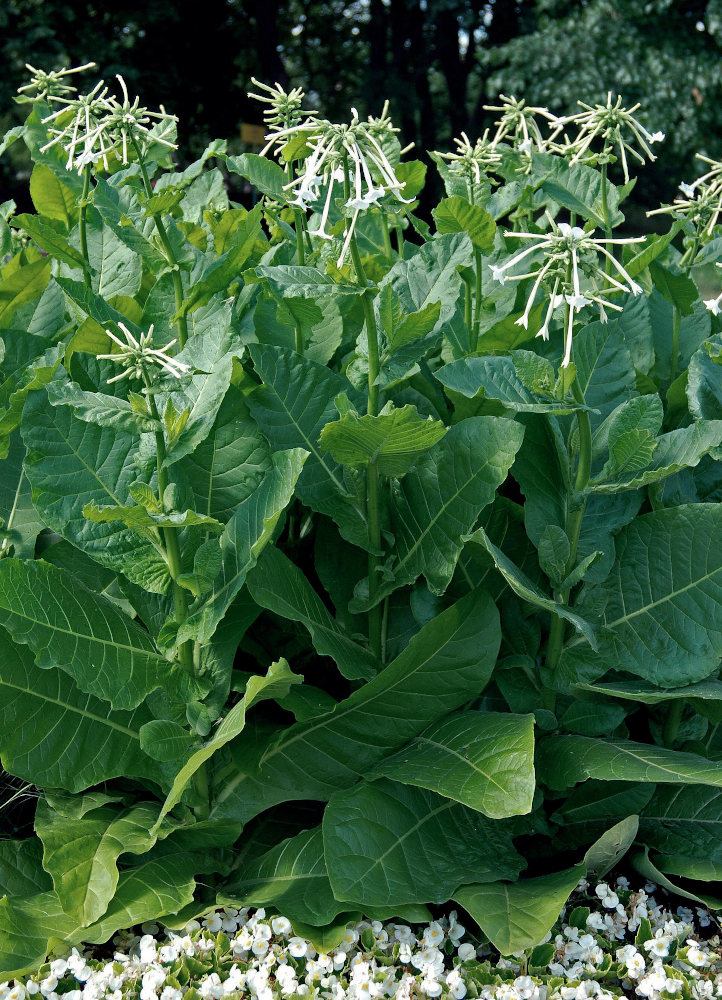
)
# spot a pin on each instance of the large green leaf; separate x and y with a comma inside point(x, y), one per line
point(117, 268)
point(28, 925)
point(71, 628)
point(485, 760)
point(519, 916)
point(217, 274)
point(564, 760)
point(243, 540)
point(291, 878)
point(393, 439)
point(48, 235)
point(68, 739)
point(686, 820)
point(388, 844)
point(230, 463)
point(439, 501)
point(21, 868)
point(29, 363)
point(610, 848)
point(81, 852)
point(100, 409)
point(432, 275)
point(648, 694)
point(578, 188)
point(458, 215)
point(661, 603)
point(292, 407)
point(21, 523)
point(23, 285)
point(528, 591)
point(605, 369)
point(445, 664)
point(71, 463)
point(275, 684)
point(541, 467)
point(280, 586)
point(496, 378)
point(53, 197)
point(263, 173)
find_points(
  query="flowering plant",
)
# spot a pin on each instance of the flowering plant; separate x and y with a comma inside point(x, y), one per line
point(350, 565)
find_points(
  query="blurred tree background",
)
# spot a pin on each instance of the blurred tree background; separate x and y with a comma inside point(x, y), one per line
point(437, 61)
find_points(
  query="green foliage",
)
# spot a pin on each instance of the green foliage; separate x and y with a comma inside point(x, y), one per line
point(320, 592)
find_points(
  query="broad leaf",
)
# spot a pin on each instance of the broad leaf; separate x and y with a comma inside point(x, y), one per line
point(393, 440)
point(444, 665)
point(485, 760)
point(68, 739)
point(21, 523)
point(280, 586)
point(519, 916)
point(497, 378)
point(436, 504)
point(457, 215)
point(564, 760)
point(610, 848)
point(73, 629)
point(377, 835)
point(662, 601)
point(21, 868)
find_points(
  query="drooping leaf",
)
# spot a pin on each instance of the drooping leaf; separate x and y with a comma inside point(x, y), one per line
point(661, 617)
point(242, 541)
point(275, 684)
point(100, 409)
point(565, 760)
point(528, 591)
point(448, 659)
point(280, 586)
point(610, 848)
point(497, 378)
point(485, 760)
point(377, 835)
point(518, 916)
point(704, 384)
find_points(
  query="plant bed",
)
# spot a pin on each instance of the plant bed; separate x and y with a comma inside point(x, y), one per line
point(352, 565)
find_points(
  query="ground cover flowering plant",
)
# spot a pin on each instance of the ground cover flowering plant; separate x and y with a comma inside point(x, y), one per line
point(352, 565)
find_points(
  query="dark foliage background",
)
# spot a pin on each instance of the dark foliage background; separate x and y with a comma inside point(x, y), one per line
point(437, 61)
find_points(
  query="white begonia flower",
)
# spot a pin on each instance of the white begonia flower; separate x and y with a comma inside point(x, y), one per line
point(466, 951)
point(281, 925)
point(170, 993)
point(567, 251)
point(616, 126)
point(214, 922)
point(138, 357)
point(636, 966)
point(433, 934)
point(696, 956)
point(297, 947)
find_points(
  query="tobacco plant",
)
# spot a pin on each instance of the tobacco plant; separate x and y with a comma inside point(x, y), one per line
point(351, 564)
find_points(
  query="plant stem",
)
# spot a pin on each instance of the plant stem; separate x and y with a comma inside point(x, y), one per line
point(181, 321)
point(300, 252)
point(386, 236)
point(170, 539)
point(573, 526)
point(674, 359)
point(671, 724)
point(400, 241)
point(605, 214)
point(474, 342)
point(83, 222)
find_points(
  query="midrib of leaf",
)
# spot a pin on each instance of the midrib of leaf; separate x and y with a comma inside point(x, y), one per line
point(654, 604)
point(230, 785)
point(309, 444)
point(436, 517)
point(469, 763)
point(104, 720)
point(407, 833)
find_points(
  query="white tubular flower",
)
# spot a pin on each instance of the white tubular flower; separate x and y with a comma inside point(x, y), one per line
point(350, 154)
point(616, 127)
point(700, 202)
point(101, 125)
point(46, 85)
point(475, 161)
point(138, 356)
point(518, 124)
point(570, 256)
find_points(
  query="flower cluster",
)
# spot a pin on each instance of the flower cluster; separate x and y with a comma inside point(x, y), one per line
point(46, 85)
point(138, 355)
point(473, 160)
point(92, 126)
point(350, 155)
point(570, 254)
point(616, 126)
point(700, 202)
point(285, 109)
point(518, 124)
point(617, 943)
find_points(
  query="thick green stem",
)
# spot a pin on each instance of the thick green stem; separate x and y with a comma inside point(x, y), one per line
point(605, 215)
point(386, 238)
point(674, 358)
point(400, 241)
point(671, 724)
point(83, 222)
point(181, 321)
point(573, 526)
point(477, 301)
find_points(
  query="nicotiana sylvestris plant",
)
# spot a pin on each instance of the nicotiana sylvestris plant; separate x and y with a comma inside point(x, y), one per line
point(352, 565)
